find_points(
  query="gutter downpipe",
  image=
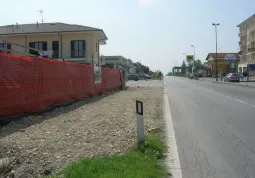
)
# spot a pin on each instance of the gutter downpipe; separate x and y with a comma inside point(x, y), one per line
point(61, 46)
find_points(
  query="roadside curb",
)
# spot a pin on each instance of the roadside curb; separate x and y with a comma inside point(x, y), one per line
point(172, 160)
point(233, 84)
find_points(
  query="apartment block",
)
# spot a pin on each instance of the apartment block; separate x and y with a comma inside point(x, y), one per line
point(247, 43)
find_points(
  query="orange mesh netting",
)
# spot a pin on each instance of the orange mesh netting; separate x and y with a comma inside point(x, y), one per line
point(31, 84)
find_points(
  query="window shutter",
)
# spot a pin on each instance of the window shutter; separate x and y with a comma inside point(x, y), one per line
point(9, 47)
point(31, 45)
point(72, 48)
point(84, 48)
point(44, 46)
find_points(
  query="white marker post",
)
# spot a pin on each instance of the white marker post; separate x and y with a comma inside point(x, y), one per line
point(140, 125)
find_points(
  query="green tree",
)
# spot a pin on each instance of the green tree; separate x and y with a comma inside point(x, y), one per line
point(183, 69)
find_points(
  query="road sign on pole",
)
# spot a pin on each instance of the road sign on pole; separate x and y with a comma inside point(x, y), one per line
point(190, 57)
point(140, 124)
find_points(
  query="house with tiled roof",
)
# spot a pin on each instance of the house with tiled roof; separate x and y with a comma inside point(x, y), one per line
point(68, 42)
point(226, 62)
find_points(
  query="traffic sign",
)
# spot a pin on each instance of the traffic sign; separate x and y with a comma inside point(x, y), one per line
point(190, 57)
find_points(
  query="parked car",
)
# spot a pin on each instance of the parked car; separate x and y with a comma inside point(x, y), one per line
point(232, 77)
point(133, 77)
point(144, 76)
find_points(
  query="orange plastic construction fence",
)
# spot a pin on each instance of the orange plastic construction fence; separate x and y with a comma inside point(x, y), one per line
point(31, 84)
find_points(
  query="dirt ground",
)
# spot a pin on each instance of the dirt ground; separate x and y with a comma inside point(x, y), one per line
point(43, 144)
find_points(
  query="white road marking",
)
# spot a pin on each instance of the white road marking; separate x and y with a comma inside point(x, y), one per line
point(228, 97)
point(240, 101)
point(253, 106)
point(172, 159)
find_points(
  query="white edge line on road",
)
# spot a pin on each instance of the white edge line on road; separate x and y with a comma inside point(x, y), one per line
point(172, 160)
point(227, 96)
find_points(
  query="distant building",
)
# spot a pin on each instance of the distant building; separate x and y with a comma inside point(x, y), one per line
point(119, 62)
point(74, 43)
point(247, 43)
point(226, 63)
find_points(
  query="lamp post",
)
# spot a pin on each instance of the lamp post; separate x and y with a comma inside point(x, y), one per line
point(185, 61)
point(216, 57)
point(194, 57)
point(185, 56)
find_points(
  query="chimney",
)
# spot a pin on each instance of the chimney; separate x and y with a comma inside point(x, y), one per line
point(17, 25)
point(12, 28)
point(37, 24)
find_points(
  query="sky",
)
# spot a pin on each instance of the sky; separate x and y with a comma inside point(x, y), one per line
point(153, 32)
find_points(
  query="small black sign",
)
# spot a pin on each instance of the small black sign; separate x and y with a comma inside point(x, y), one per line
point(139, 107)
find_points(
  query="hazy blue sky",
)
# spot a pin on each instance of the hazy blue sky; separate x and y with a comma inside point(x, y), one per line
point(155, 32)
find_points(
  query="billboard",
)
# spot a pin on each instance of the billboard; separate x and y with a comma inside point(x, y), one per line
point(251, 66)
point(230, 57)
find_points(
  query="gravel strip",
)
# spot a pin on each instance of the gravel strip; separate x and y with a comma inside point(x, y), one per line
point(101, 125)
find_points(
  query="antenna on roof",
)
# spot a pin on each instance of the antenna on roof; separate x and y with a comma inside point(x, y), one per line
point(41, 12)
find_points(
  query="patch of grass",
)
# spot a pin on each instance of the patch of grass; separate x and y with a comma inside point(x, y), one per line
point(142, 162)
point(158, 78)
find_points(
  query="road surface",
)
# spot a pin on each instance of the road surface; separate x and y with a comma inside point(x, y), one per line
point(214, 127)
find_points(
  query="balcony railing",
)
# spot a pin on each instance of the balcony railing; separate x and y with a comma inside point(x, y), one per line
point(251, 50)
point(251, 30)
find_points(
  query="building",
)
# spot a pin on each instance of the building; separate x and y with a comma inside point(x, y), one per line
point(226, 63)
point(74, 43)
point(247, 43)
point(119, 62)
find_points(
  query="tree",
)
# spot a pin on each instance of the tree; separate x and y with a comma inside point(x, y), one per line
point(141, 68)
point(183, 69)
point(169, 74)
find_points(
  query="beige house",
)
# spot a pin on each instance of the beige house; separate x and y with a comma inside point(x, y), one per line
point(247, 43)
point(74, 43)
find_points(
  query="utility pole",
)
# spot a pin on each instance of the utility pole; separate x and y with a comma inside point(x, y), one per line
point(216, 57)
point(194, 58)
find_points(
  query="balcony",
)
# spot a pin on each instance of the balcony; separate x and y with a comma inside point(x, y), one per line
point(241, 34)
point(251, 50)
point(240, 53)
point(251, 41)
point(242, 43)
point(251, 30)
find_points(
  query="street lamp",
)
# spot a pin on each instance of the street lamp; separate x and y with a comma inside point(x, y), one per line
point(194, 57)
point(216, 62)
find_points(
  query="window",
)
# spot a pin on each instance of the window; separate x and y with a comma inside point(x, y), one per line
point(3, 47)
point(55, 49)
point(78, 48)
point(37, 45)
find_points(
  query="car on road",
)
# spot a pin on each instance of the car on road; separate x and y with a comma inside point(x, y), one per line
point(134, 77)
point(232, 77)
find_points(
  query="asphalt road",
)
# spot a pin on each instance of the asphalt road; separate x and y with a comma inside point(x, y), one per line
point(214, 127)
